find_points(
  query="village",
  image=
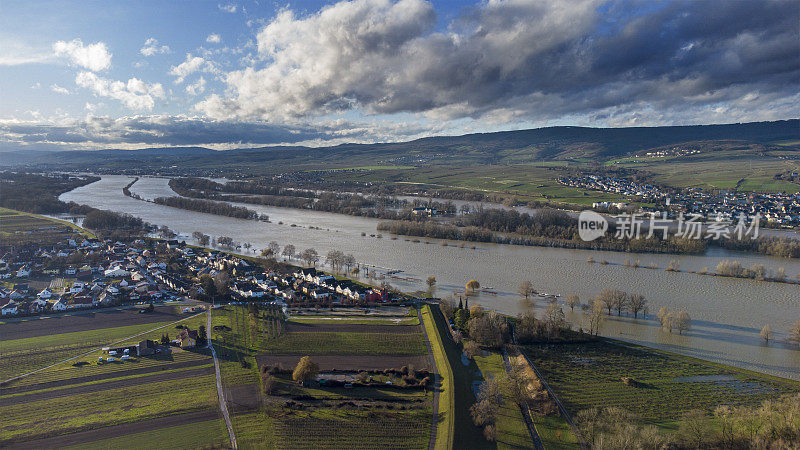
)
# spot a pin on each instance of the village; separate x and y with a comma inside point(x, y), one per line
point(76, 275)
point(776, 208)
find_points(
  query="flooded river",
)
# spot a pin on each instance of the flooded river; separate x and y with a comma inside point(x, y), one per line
point(727, 314)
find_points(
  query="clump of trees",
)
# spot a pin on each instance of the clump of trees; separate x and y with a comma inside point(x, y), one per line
point(614, 299)
point(671, 320)
point(612, 427)
point(209, 207)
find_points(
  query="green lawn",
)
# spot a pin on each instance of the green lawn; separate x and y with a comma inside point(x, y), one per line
point(326, 343)
point(208, 434)
point(335, 320)
point(512, 432)
point(586, 375)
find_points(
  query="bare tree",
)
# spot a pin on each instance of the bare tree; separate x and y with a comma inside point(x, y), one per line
point(310, 256)
point(349, 261)
point(431, 281)
point(637, 303)
point(288, 251)
point(525, 289)
point(766, 333)
point(595, 316)
point(334, 259)
point(794, 333)
point(662, 315)
point(471, 349)
point(275, 247)
point(683, 321)
point(202, 239)
point(572, 301)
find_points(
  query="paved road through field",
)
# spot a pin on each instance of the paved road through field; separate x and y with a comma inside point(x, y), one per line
point(223, 406)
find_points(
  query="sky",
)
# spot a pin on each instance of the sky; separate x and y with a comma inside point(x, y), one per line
point(136, 74)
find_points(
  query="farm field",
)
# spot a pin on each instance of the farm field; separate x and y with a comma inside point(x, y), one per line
point(23, 355)
point(318, 415)
point(587, 375)
point(91, 401)
point(533, 181)
point(80, 321)
point(720, 170)
point(355, 321)
point(17, 228)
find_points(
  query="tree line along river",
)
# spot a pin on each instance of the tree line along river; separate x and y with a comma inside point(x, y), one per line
point(727, 314)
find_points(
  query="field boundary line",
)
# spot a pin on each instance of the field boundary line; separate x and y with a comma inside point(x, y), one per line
point(440, 357)
point(223, 405)
point(95, 349)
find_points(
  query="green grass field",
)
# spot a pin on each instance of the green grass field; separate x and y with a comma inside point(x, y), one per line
point(50, 417)
point(208, 434)
point(587, 375)
point(512, 432)
point(325, 343)
point(355, 321)
point(24, 355)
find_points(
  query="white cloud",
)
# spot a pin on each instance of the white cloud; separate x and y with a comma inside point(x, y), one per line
point(197, 88)
point(134, 94)
point(191, 65)
point(59, 90)
point(36, 85)
point(94, 57)
point(14, 53)
point(229, 7)
point(506, 61)
point(151, 48)
point(214, 38)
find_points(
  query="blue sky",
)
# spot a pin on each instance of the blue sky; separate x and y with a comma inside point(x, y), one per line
point(88, 75)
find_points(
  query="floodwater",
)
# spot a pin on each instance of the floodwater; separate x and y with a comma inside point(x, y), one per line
point(727, 314)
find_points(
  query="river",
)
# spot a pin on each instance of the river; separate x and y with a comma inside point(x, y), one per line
point(727, 314)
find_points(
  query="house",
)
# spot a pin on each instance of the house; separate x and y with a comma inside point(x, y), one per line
point(187, 338)
point(9, 307)
point(38, 305)
point(77, 287)
point(59, 305)
point(116, 272)
point(45, 294)
point(23, 272)
point(70, 271)
point(146, 347)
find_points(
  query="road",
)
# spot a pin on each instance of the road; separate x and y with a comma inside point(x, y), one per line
point(223, 405)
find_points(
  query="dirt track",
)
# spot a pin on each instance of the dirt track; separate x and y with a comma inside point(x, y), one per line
point(354, 363)
point(350, 328)
point(83, 437)
point(97, 387)
point(87, 320)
